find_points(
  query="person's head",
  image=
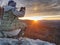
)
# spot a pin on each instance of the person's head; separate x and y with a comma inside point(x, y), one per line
point(12, 3)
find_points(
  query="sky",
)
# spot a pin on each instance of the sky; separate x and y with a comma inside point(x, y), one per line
point(38, 7)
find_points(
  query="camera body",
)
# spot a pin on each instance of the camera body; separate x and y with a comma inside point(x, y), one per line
point(22, 9)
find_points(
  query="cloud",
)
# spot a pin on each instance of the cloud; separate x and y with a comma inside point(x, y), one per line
point(49, 7)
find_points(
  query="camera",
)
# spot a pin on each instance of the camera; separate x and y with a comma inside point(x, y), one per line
point(22, 9)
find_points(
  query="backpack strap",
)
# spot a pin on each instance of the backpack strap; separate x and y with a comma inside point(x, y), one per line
point(1, 12)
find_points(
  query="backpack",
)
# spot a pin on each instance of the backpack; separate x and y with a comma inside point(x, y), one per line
point(7, 20)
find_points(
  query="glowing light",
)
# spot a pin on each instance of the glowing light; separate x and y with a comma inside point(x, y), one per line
point(36, 18)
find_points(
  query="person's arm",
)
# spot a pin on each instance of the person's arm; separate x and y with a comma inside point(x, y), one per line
point(20, 13)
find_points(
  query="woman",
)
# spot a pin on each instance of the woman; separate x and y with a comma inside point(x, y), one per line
point(10, 25)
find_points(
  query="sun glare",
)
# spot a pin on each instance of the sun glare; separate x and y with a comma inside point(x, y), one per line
point(35, 18)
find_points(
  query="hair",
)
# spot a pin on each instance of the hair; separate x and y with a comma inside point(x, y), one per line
point(10, 2)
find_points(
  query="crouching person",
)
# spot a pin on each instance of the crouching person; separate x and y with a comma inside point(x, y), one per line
point(10, 25)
